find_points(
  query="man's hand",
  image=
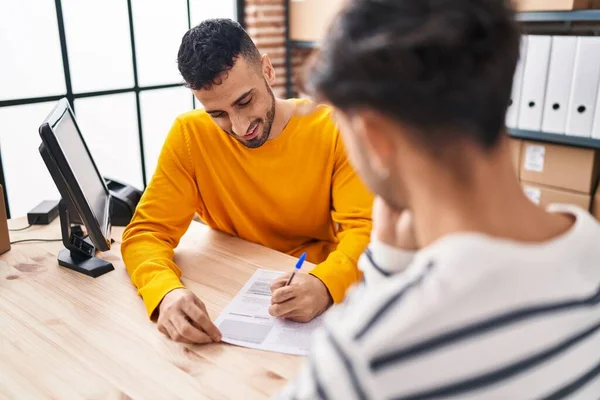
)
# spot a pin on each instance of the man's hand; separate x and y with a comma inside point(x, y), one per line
point(304, 299)
point(393, 227)
point(183, 318)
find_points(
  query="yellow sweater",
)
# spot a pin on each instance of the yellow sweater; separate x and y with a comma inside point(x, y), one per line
point(296, 193)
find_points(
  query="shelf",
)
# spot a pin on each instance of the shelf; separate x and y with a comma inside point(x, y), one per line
point(304, 44)
point(559, 16)
point(554, 138)
point(536, 16)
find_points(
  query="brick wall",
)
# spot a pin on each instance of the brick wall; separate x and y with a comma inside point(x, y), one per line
point(265, 23)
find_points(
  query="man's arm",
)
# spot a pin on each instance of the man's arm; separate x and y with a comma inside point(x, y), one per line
point(381, 260)
point(352, 205)
point(393, 243)
point(310, 295)
point(161, 218)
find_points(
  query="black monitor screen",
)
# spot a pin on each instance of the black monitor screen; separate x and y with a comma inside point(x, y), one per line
point(92, 185)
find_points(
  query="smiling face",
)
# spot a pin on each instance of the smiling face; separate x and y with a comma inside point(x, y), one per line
point(241, 102)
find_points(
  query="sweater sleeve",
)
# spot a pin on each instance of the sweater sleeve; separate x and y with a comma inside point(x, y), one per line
point(351, 211)
point(382, 260)
point(162, 217)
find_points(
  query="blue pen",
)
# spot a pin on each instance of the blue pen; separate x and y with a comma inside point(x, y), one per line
point(298, 266)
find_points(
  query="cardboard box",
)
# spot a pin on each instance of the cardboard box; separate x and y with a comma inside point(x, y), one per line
point(515, 149)
point(555, 5)
point(544, 196)
point(596, 204)
point(563, 167)
point(309, 19)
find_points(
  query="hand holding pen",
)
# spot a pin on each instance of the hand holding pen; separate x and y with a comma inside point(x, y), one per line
point(298, 266)
point(307, 298)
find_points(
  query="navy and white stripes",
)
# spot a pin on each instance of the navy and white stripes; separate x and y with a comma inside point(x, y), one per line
point(487, 319)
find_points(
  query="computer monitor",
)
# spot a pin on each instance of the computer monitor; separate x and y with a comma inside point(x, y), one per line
point(85, 196)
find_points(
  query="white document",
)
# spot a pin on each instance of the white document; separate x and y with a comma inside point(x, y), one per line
point(512, 115)
point(246, 320)
point(535, 76)
point(560, 77)
point(584, 90)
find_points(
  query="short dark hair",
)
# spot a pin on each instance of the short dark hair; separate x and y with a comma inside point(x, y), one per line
point(443, 67)
point(210, 49)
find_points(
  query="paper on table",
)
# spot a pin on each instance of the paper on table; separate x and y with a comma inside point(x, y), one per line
point(246, 320)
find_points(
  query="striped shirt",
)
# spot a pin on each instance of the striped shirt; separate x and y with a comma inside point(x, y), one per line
point(469, 317)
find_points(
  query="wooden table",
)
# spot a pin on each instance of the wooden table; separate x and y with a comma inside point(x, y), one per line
point(64, 335)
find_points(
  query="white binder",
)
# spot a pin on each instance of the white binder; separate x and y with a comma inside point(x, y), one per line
point(584, 89)
point(512, 114)
point(596, 128)
point(535, 76)
point(560, 78)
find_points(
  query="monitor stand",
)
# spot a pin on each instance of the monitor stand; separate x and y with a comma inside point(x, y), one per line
point(79, 254)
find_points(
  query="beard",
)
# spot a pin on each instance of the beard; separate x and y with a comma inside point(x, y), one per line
point(267, 123)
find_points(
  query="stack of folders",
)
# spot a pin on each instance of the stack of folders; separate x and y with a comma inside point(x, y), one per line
point(557, 86)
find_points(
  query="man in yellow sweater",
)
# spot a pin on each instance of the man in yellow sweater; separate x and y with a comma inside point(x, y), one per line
point(252, 166)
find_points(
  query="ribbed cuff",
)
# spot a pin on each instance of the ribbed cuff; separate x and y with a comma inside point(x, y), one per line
point(157, 289)
point(390, 258)
point(336, 278)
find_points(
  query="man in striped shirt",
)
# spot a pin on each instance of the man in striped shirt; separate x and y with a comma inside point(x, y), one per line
point(470, 290)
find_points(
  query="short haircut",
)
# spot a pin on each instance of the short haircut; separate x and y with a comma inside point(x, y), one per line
point(210, 49)
point(443, 67)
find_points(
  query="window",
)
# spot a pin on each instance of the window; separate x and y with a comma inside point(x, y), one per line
point(122, 83)
point(19, 142)
point(23, 50)
point(159, 110)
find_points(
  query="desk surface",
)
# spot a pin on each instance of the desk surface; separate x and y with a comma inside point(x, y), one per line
point(64, 335)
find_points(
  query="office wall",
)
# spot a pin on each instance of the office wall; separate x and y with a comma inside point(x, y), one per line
point(115, 60)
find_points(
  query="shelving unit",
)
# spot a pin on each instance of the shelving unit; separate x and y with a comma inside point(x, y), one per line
point(581, 22)
point(304, 44)
point(560, 16)
point(555, 138)
point(558, 22)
